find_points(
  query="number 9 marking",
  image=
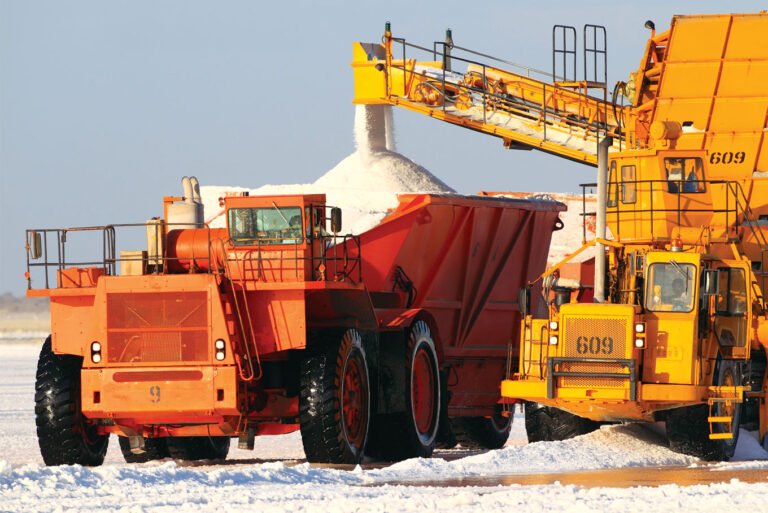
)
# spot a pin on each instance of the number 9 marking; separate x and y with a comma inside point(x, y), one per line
point(154, 393)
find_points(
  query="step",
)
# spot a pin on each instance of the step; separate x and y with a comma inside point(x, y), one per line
point(720, 436)
point(720, 419)
point(720, 394)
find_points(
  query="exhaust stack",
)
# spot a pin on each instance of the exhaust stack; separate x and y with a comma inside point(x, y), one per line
point(602, 197)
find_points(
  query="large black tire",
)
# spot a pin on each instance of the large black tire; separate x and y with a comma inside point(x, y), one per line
point(688, 427)
point(334, 401)
point(413, 433)
point(154, 449)
point(482, 432)
point(548, 424)
point(194, 448)
point(63, 433)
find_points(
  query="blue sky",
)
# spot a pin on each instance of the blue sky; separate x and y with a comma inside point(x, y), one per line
point(105, 105)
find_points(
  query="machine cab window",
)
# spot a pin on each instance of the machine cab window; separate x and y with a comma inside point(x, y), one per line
point(628, 184)
point(732, 292)
point(270, 225)
point(613, 187)
point(684, 175)
point(670, 287)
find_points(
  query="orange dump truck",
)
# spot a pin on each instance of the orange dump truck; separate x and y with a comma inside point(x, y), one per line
point(383, 344)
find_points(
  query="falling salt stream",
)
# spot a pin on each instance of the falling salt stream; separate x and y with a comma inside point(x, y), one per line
point(364, 184)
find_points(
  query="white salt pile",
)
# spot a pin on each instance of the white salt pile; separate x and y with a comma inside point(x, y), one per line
point(365, 184)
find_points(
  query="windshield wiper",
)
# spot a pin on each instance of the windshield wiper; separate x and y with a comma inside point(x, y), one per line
point(684, 273)
point(281, 214)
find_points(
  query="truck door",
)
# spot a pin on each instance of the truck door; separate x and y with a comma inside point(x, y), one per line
point(732, 306)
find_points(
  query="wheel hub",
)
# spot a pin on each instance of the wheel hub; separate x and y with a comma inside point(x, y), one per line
point(423, 381)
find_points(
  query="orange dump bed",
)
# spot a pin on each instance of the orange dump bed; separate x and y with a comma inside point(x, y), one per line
point(466, 258)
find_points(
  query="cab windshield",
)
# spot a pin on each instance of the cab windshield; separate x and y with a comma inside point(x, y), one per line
point(269, 225)
point(684, 175)
point(670, 287)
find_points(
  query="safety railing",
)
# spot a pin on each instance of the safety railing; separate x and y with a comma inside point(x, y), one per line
point(49, 254)
point(39, 242)
point(647, 199)
point(483, 89)
point(733, 206)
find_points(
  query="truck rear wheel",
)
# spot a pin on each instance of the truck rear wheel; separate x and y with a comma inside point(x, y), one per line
point(334, 402)
point(193, 448)
point(482, 432)
point(688, 427)
point(548, 424)
point(413, 433)
point(154, 449)
point(63, 433)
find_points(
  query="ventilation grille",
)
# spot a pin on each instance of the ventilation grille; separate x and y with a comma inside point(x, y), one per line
point(157, 327)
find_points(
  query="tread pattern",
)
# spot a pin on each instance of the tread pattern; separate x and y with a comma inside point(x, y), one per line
point(62, 434)
point(688, 433)
point(320, 408)
point(548, 424)
point(688, 427)
point(481, 432)
point(194, 448)
point(154, 449)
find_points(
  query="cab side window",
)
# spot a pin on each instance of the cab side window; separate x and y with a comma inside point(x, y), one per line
point(628, 184)
point(732, 292)
point(613, 187)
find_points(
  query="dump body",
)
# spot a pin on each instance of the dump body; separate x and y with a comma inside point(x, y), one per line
point(466, 259)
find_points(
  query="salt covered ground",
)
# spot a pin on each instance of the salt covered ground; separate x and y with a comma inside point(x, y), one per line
point(274, 478)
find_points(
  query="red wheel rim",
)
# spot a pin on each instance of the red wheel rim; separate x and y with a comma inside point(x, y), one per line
point(353, 403)
point(423, 391)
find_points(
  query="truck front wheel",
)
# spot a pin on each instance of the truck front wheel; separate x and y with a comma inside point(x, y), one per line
point(548, 424)
point(65, 436)
point(688, 427)
point(154, 449)
point(483, 432)
point(193, 448)
point(334, 402)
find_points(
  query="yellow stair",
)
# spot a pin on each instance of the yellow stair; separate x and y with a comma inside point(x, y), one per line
point(728, 396)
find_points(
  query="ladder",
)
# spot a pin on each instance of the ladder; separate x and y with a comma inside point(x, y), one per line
point(721, 425)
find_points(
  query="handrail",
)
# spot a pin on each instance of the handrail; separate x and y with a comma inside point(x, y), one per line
point(54, 255)
point(252, 375)
point(737, 210)
point(554, 112)
point(108, 261)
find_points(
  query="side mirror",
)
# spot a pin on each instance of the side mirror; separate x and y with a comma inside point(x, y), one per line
point(709, 282)
point(524, 301)
point(335, 220)
point(34, 245)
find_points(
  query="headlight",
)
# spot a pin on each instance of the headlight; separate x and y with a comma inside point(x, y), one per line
point(221, 351)
point(639, 327)
point(553, 325)
point(639, 343)
point(553, 340)
point(95, 352)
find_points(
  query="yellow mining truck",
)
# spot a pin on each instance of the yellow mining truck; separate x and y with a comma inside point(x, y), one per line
point(676, 326)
